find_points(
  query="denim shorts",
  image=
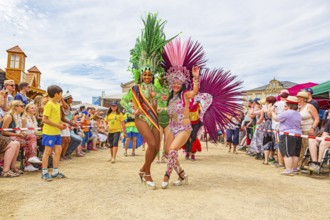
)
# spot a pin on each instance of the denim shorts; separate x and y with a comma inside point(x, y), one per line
point(233, 136)
point(51, 140)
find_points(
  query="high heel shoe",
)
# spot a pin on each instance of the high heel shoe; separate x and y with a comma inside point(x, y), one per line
point(183, 177)
point(141, 174)
point(165, 184)
point(149, 184)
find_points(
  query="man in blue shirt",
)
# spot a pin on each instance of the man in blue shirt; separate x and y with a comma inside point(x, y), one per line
point(24, 88)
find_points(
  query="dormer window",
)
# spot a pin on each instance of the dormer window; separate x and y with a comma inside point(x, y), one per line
point(14, 61)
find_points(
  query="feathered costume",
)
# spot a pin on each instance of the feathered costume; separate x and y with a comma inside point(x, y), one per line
point(218, 92)
point(146, 56)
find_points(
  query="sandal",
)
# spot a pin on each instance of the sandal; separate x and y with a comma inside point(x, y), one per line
point(125, 154)
point(9, 173)
point(264, 163)
point(133, 154)
point(18, 171)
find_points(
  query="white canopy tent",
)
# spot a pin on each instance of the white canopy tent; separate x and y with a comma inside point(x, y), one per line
point(101, 108)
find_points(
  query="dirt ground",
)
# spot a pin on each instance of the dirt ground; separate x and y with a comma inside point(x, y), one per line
point(221, 186)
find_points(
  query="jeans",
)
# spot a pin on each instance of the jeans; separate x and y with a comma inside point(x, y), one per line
point(74, 143)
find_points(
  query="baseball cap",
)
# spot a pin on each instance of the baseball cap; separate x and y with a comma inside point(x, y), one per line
point(308, 90)
point(256, 100)
point(113, 103)
point(284, 91)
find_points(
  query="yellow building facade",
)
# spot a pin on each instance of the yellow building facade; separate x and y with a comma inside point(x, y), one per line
point(273, 88)
point(16, 71)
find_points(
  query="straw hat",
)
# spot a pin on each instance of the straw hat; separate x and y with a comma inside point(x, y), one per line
point(292, 100)
point(302, 95)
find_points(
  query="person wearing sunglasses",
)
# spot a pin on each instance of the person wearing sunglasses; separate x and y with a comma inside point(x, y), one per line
point(9, 87)
point(27, 141)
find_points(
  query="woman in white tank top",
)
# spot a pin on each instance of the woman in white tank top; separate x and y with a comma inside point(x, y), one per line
point(310, 121)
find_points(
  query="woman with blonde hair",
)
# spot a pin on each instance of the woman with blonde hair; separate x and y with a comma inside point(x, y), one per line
point(27, 141)
point(30, 113)
point(38, 102)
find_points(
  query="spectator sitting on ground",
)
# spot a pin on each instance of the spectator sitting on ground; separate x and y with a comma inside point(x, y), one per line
point(23, 88)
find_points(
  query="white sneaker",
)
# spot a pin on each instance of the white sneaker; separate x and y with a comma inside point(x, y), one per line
point(30, 168)
point(34, 160)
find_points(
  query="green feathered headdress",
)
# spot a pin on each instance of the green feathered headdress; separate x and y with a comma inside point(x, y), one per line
point(161, 86)
point(147, 52)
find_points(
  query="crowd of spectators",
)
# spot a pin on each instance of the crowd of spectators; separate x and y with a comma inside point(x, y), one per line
point(265, 127)
point(21, 123)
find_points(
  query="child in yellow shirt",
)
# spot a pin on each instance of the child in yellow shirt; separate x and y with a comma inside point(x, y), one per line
point(51, 132)
point(115, 120)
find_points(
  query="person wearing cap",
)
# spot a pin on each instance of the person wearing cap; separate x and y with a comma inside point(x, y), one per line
point(115, 120)
point(75, 140)
point(289, 145)
point(310, 99)
point(65, 133)
point(309, 123)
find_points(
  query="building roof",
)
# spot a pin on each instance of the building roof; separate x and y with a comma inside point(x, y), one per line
point(34, 69)
point(16, 49)
point(285, 84)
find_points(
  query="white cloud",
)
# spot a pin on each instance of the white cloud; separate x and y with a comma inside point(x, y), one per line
point(257, 40)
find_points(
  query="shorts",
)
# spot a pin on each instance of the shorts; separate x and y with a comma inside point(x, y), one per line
point(113, 139)
point(51, 140)
point(132, 134)
point(65, 132)
point(233, 136)
point(290, 146)
point(85, 139)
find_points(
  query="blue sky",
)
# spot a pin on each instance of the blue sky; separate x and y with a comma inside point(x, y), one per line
point(84, 46)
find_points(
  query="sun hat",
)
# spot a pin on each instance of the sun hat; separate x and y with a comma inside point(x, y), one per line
point(302, 95)
point(67, 95)
point(292, 100)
